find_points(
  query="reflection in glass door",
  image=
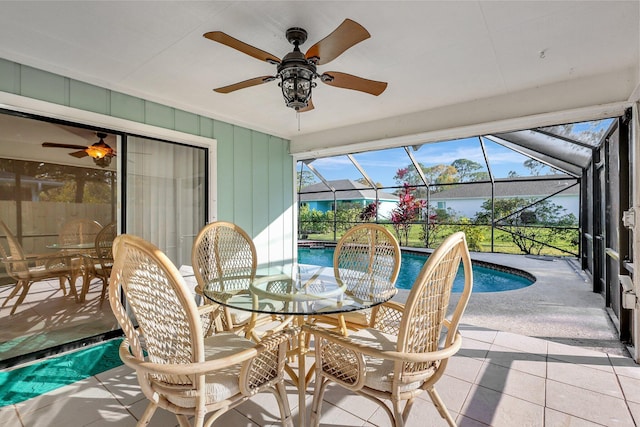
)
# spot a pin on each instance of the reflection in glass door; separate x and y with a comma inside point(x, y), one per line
point(44, 190)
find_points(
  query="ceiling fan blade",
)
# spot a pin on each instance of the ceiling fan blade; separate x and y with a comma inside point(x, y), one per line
point(225, 39)
point(348, 81)
point(79, 154)
point(309, 107)
point(348, 34)
point(56, 145)
point(247, 83)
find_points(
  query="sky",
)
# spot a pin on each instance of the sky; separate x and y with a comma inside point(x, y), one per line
point(382, 165)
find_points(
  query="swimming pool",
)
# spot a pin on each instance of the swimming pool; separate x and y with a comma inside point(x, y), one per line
point(485, 278)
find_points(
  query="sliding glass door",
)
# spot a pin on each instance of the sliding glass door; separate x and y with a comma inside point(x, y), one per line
point(154, 189)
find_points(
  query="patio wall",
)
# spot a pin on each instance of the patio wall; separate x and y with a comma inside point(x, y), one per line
point(254, 183)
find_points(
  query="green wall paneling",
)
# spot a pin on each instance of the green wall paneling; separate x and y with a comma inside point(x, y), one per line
point(259, 182)
point(88, 97)
point(187, 122)
point(127, 107)
point(242, 178)
point(223, 133)
point(9, 76)
point(42, 85)
point(206, 127)
point(159, 115)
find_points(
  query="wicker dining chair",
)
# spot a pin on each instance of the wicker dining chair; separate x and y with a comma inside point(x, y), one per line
point(224, 260)
point(367, 260)
point(103, 259)
point(406, 348)
point(28, 269)
point(80, 231)
point(178, 368)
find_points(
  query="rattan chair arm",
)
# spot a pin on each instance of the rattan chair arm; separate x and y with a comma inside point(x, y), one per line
point(26, 263)
point(43, 255)
point(284, 325)
point(39, 257)
point(207, 308)
point(394, 305)
point(271, 341)
point(196, 368)
point(349, 344)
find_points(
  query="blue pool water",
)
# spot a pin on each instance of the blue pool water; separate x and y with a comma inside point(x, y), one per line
point(484, 279)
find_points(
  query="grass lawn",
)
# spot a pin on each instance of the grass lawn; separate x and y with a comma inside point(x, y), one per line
point(502, 240)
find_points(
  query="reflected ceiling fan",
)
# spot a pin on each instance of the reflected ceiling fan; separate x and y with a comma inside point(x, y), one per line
point(100, 152)
point(297, 71)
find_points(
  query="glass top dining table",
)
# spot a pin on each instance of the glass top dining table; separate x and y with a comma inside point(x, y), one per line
point(299, 289)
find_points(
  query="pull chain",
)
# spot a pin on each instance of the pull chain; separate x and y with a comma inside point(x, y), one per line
point(298, 116)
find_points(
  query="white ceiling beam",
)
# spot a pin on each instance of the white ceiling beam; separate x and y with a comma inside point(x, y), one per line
point(592, 98)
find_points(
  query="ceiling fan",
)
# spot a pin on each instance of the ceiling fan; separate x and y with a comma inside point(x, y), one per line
point(100, 151)
point(296, 72)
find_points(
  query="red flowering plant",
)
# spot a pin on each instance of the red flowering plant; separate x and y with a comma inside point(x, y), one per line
point(405, 213)
point(370, 212)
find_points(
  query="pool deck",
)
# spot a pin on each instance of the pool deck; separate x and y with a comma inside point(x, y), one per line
point(560, 306)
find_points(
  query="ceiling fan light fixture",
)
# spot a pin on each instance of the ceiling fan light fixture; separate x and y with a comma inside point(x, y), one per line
point(98, 151)
point(103, 162)
point(296, 84)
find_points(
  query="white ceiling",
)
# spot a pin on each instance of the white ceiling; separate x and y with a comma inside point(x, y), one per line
point(433, 54)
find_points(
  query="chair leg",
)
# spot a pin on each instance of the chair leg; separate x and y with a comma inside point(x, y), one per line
point(72, 287)
point(86, 281)
point(105, 284)
point(318, 394)
point(63, 288)
point(198, 420)
point(25, 289)
point(398, 420)
point(442, 409)
point(407, 409)
point(146, 416)
point(283, 404)
point(13, 293)
point(183, 421)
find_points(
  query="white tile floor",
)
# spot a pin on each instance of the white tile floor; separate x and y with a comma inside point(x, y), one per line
point(497, 379)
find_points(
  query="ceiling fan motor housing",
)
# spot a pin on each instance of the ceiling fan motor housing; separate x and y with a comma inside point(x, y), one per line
point(296, 36)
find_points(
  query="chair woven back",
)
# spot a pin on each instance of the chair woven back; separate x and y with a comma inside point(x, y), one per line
point(15, 252)
point(161, 305)
point(224, 258)
point(104, 244)
point(426, 307)
point(79, 231)
point(367, 259)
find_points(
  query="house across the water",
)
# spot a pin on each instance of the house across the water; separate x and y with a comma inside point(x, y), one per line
point(467, 199)
point(345, 191)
